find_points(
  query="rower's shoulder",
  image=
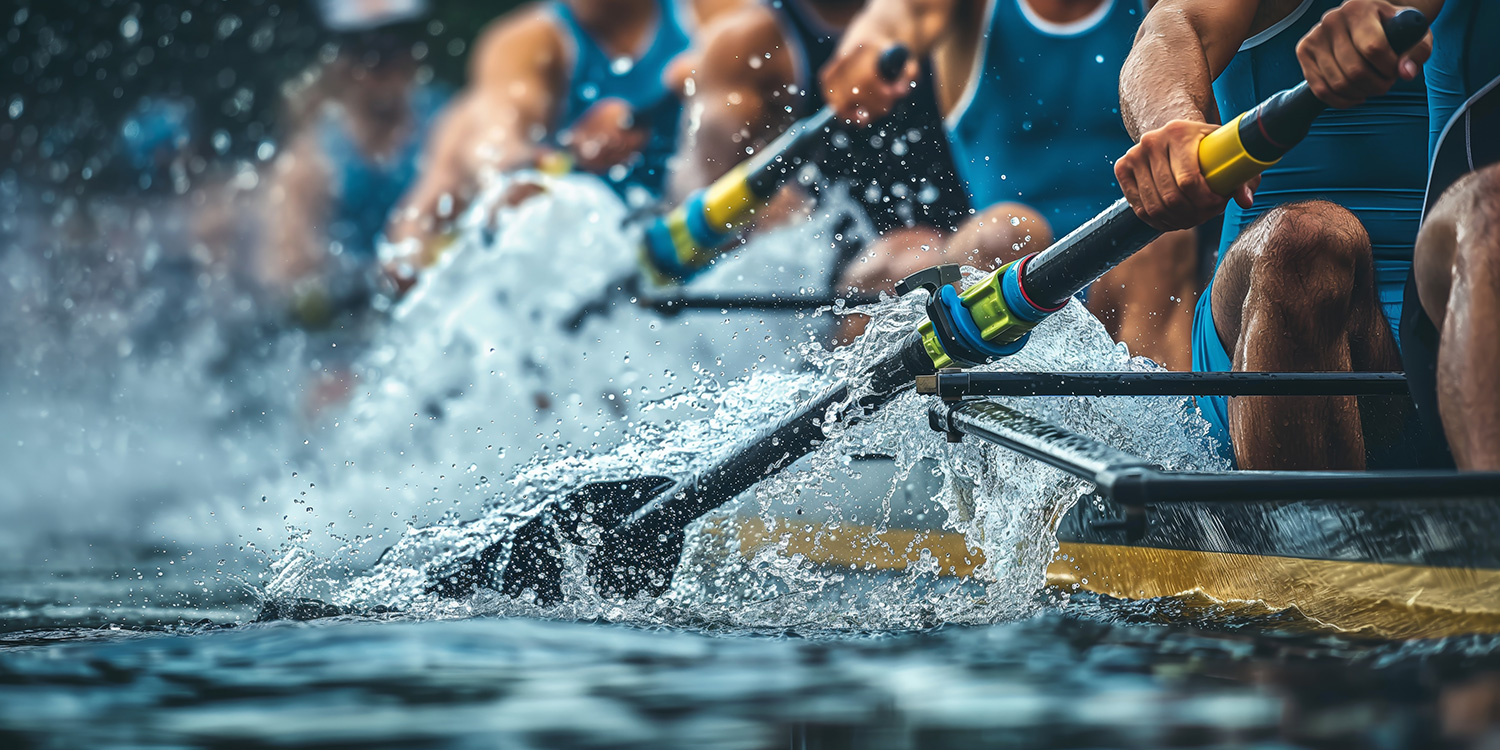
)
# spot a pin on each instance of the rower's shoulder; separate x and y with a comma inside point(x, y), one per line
point(746, 32)
point(531, 33)
point(706, 13)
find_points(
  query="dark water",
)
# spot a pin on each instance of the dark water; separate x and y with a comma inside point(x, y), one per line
point(90, 659)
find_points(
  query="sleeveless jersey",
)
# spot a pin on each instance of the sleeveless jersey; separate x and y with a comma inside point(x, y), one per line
point(1039, 123)
point(899, 168)
point(1465, 57)
point(638, 82)
point(1371, 159)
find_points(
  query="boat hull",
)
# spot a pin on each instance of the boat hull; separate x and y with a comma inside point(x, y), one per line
point(1389, 570)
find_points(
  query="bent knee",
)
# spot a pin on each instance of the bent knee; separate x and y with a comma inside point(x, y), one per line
point(1461, 235)
point(1309, 257)
point(1311, 234)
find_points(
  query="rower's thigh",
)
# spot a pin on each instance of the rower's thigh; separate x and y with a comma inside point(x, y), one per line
point(998, 235)
point(1308, 261)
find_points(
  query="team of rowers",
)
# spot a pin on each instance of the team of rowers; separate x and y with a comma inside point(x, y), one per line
point(1373, 246)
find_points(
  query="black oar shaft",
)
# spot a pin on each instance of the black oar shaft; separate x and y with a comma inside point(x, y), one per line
point(1074, 262)
point(792, 438)
point(753, 303)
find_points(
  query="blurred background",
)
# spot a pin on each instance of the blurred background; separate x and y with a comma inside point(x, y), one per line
point(158, 319)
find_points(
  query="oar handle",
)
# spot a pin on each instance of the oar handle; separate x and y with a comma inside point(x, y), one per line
point(1252, 142)
point(682, 243)
point(892, 62)
point(991, 319)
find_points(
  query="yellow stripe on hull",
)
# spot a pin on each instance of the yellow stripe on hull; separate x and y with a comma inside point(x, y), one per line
point(1365, 599)
point(861, 547)
point(1359, 598)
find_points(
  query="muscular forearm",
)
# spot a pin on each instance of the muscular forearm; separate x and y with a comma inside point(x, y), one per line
point(1167, 75)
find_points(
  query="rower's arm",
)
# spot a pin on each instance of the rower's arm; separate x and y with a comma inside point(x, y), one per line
point(737, 90)
point(852, 84)
point(1166, 100)
point(1180, 48)
point(517, 77)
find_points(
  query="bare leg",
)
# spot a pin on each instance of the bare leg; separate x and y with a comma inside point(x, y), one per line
point(1147, 301)
point(1296, 293)
point(1458, 280)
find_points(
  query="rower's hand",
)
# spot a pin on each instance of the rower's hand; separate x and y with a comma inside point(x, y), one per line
point(852, 84)
point(1164, 183)
point(604, 135)
point(1346, 58)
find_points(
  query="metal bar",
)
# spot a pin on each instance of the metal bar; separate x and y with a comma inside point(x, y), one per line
point(1079, 455)
point(1343, 486)
point(1134, 481)
point(681, 304)
point(953, 385)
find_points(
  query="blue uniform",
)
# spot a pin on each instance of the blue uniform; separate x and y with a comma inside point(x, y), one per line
point(1370, 159)
point(1465, 58)
point(1040, 122)
point(1463, 90)
point(597, 76)
point(364, 189)
point(900, 168)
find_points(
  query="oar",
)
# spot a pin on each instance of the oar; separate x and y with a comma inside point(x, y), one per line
point(644, 519)
point(681, 244)
point(670, 305)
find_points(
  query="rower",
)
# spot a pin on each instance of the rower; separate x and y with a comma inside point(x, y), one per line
point(757, 72)
point(1029, 92)
point(1449, 328)
point(1313, 260)
point(354, 132)
point(560, 81)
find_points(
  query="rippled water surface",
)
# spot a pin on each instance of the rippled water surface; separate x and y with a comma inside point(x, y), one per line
point(1092, 674)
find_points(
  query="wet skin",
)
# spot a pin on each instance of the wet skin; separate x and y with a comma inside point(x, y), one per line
point(1296, 293)
point(1146, 302)
point(738, 84)
point(1296, 290)
point(518, 82)
point(1458, 281)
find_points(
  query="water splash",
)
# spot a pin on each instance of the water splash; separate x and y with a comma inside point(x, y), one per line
point(1005, 506)
point(483, 373)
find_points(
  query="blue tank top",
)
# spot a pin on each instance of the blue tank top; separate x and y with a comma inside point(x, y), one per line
point(1370, 159)
point(365, 190)
point(639, 83)
point(1465, 58)
point(1040, 122)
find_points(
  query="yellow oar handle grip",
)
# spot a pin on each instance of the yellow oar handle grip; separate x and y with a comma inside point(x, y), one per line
point(682, 243)
point(1225, 162)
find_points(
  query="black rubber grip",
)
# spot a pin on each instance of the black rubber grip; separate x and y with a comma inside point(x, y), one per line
point(893, 61)
point(1405, 29)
